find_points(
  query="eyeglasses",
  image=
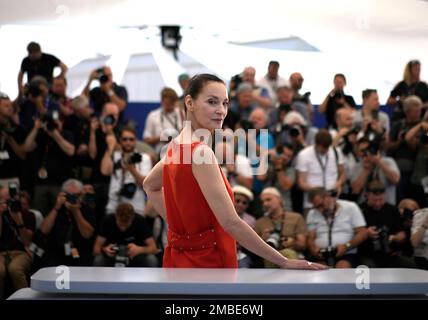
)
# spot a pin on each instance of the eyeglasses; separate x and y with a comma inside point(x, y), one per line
point(241, 201)
point(127, 139)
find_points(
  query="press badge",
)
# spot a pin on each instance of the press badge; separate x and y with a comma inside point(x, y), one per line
point(67, 249)
point(4, 155)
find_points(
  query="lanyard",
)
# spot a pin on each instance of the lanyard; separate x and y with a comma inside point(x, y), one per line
point(323, 167)
point(175, 124)
point(330, 222)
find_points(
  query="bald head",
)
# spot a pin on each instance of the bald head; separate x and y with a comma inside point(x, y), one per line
point(296, 81)
point(344, 118)
point(259, 118)
point(249, 75)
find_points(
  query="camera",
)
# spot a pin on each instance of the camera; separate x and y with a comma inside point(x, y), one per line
point(135, 158)
point(293, 130)
point(375, 114)
point(109, 120)
point(49, 120)
point(128, 190)
point(329, 255)
point(337, 94)
point(14, 203)
point(424, 138)
point(71, 198)
point(303, 98)
point(102, 77)
point(236, 80)
point(284, 108)
point(408, 214)
point(121, 259)
point(381, 243)
point(8, 128)
point(274, 239)
point(34, 90)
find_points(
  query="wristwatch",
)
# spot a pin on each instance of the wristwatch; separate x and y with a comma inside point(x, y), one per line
point(348, 245)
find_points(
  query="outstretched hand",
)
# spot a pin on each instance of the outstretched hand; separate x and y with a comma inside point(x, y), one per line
point(303, 264)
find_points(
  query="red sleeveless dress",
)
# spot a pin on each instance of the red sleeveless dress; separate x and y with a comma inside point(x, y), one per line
point(195, 238)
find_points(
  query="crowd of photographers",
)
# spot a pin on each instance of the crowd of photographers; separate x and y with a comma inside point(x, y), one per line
point(72, 170)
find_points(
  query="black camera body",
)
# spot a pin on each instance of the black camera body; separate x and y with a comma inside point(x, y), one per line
point(109, 120)
point(34, 91)
point(246, 124)
point(381, 243)
point(121, 258)
point(275, 237)
point(293, 130)
point(14, 203)
point(71, 198)
point(7, 127)
point(329, 255)
point(102, 78)
point(424, 138)
point(128, 190)
point(49, 120)
point(135, 158)
point(337, 94)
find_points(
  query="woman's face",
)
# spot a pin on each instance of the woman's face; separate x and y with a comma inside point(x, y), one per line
point(209, 109)
point(416, 70)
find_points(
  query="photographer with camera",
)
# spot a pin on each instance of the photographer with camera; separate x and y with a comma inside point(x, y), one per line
point(407, 208)
point(127, 168)
point(399, 149)
point(385, 231)
point(16, 232)
point(320, 165)
point(163, 122)
point(69, 228)
point(370, 118)
point(336, 229)
point(241, 107)
point(336, 100)
point(259, 95)
point(417, 139)
point(12, 138)
point(38, 63)
point(272, 81)
point(124, 240)
point(282, 229)
point(52, 150)
point(107, 91)
point(59, 95)
point(372, 165)
point(35, 103)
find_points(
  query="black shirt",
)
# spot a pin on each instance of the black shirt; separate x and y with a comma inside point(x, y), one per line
point(419, 89)
point(50, 156)
point(43, 67)
point(10, 239)
point(137, 233)
point(10, 163)
point(97, 177)
point(99, 98)
point(400, 127)
point(65, 229)
point(388, 216)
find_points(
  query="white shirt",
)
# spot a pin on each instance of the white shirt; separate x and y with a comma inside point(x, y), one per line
point(419, 217)
point(138, 200)
point(159, 124)
point(272, 85)
point(348, 217)
point(307, 161)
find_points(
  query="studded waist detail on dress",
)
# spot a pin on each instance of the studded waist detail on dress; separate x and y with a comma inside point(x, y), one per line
point(191, 242)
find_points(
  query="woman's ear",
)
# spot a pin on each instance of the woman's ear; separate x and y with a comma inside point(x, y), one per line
point(188, 103)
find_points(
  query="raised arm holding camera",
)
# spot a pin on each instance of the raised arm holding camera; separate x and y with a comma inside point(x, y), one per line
point(107, 91)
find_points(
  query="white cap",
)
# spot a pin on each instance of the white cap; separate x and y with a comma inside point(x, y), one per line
point(272, 191)
point(244, 191)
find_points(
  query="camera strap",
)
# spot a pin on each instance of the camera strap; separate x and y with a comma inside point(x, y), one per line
point(165, 116)
point(330, 222)
point(323, 167)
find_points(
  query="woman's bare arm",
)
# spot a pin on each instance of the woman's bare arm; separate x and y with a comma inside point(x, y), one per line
point(153, 186)
point(212, 186)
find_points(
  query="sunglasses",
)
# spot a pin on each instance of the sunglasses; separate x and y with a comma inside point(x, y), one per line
point(127, 139)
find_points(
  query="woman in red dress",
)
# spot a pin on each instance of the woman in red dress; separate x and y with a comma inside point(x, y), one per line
point(188, 189)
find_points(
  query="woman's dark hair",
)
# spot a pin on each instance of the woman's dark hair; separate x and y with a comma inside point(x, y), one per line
point(197, 83)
